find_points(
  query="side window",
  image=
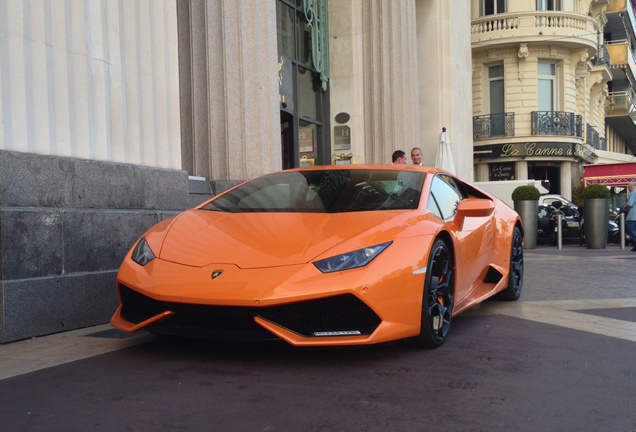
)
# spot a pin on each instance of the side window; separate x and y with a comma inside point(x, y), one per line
point(445, 196)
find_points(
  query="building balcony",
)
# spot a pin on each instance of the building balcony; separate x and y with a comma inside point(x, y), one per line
point(552, 27)
point(602, 57)
point(620, 115)
point(619, 6)
point(556, 123)
point(621, 55)
point(620, 104)
point(493, 126)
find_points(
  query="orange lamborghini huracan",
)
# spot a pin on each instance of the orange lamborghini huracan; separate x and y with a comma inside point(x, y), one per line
point(327, 255)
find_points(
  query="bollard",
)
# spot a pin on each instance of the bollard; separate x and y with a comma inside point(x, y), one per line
point(621, 229)
point(559, 232)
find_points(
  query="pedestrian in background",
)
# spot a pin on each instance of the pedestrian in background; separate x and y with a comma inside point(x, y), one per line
point(398, 157)
point(416, 156)
point(630, 217)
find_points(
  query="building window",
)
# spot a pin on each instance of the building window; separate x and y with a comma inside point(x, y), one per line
point(492, 7)
point(549, 5)
point(496, 99)
point(547, 100)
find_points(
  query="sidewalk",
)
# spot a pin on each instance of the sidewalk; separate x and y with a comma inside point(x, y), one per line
point(29, 355)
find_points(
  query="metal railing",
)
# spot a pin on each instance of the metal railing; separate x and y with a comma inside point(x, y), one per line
point(494, 125)
point(556, 123)
point(602, 57)
point(591, 136)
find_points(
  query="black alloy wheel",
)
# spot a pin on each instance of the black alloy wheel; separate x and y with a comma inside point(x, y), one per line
point(515, 276)
point(438, 299)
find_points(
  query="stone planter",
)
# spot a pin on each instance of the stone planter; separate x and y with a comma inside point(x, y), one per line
point(528, 212)
point(595, 212)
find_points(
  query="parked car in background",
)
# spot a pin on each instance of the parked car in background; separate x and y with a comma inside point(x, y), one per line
point(567, 206)
point(548, 214)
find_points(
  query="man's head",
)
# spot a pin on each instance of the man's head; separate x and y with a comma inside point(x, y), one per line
point(399, 157)
point(631, 186)
point(416, 156)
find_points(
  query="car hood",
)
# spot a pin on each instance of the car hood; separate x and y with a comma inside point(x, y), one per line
point(256, 240)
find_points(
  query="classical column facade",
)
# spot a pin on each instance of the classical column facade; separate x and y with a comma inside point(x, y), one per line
point(90, 153)
point(445, 80)
point(229, 88)
point(390, 78)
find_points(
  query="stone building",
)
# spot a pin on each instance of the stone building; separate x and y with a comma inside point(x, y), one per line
point(543, 103)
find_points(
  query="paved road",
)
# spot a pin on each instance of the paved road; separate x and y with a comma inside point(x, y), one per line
point(563, 358)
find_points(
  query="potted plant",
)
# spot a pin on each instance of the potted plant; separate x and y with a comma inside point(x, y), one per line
point(526, 203)
point(595, 215)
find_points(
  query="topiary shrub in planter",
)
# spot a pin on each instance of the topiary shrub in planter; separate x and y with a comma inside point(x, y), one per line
point(595, 215)
point(525, 193)
point(595, 191)
point(526, 202)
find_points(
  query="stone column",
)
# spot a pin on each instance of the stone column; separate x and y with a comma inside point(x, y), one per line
point(390, 78)
point(445, 80)
point(229, 87)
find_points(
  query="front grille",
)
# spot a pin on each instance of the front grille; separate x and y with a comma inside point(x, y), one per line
point(332, 314)
point(343, 313)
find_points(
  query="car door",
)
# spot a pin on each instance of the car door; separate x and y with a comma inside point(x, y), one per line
point(472, 241)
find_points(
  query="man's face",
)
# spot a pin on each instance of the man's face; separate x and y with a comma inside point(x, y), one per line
point(416, 156)
point(401, 160)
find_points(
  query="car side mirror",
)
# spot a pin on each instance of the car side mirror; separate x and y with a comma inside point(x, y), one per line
point(473, 207)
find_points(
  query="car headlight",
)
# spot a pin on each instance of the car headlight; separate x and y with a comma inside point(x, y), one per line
point(142, 254)
point(351, 260)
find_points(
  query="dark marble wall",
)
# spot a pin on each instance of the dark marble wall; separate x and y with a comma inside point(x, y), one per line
point(65, 225)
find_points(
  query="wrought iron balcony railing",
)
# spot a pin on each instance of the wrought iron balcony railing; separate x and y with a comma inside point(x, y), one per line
point(591, 136)
point(602, 57)
point(494, 125)
point(557, 123)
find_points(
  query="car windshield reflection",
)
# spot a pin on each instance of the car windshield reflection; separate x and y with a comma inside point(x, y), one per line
point(324, 191)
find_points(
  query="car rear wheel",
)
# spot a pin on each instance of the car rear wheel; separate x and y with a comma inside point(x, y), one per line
point(515, 275)
point(437, 302)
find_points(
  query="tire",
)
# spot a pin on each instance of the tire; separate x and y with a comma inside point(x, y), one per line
point(512, 291)
point(438, 297)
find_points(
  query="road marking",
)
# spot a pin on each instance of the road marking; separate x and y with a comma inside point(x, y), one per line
point(563, 313)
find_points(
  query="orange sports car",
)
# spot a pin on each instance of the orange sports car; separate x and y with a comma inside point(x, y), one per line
point(328, 255)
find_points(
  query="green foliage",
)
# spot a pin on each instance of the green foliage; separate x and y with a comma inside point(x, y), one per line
point(525, 193)
point(595, 191)
point(576, 194)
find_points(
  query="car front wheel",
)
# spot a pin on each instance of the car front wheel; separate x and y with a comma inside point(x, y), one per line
point(437, 302)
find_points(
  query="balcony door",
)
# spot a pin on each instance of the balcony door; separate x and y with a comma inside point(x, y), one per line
point(497, 100)
point(492, 7)
point(547, 86)
point(549, 5)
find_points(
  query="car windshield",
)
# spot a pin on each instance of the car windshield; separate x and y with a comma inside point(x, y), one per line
point(324, 191)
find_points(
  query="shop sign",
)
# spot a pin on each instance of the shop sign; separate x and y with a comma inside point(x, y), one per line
point(342, 137)
point(306, 140)
point(501, 171)
point(533, 149)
